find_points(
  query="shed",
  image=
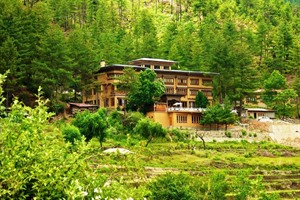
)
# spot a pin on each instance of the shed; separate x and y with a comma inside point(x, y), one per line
point(260, 112)
point(79, 107)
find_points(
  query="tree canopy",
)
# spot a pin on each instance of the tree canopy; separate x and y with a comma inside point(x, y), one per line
point(145, 91)
point(58, 44)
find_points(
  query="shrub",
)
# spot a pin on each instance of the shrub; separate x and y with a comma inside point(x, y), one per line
point(174, 187)
point(35, 162)
point(218, 186)
point(228, 134)
point(71, 133)
point(244, 132)
point(131, 120)
point(177, 135)
point(254, 135)
point(149, 129)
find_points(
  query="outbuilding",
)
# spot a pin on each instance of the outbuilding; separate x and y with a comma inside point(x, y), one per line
point(259, 112)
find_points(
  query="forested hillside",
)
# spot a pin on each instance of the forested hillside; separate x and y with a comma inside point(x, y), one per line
point(58, 43)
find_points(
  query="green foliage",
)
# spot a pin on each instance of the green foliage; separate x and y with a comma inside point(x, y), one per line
point(244, 132)
point(131, 120)
point(149, 129)
point(147, 90)
point(228, 134)
point(178, 135)
point(218, 114)
point(71, 133)
point(35, 161)
point(274, 82)
point(218, 186)
point(92, 124)
point(201, 100)
point(174, 187)
point(283, 102)
point(63, 41)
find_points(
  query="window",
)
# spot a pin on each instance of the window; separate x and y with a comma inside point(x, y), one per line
point(207, 82)
point(251, 99)
point(121, 102)
point(170, 90)
point(112, 89)
point(182, 91)
point(88, 92)
point(207, 93)
point(147, 66)
point(181, 118)
point(113, 76)
point(156, 67)
point(196, 119)
point(112, 102)
point(192, 104)
point(194, 81)
point(166, 67)
point(193, 92)
point(169, 81)
point(184, 104)
point(182, 81)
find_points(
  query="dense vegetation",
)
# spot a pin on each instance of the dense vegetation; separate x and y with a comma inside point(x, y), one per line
point(49, 160)
point(58, 44)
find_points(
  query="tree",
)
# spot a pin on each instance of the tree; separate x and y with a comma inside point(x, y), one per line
point(149, 130)
point(218, 114)
point(92, 124)
point(147, 90)
point(201, 100)
point(273, 83)
point(283, 102)
point(83, 61)
point(71, 134)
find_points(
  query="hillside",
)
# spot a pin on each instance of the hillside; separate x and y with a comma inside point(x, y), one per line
point(58, 44)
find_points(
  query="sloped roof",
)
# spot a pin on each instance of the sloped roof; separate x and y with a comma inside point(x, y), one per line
point(83, 105)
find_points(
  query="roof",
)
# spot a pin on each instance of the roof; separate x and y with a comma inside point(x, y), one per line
point(259, 110)
point(83, 105)
point(121, 67)
point(186, 72)
point(153, 60)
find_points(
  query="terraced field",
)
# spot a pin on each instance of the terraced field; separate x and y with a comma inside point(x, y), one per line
point(277, 166)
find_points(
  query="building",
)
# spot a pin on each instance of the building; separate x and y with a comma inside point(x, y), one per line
point(176, 107)
point(73, 108)
point(257, 113)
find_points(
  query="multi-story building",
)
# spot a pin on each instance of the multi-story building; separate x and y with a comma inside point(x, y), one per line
point(175, 108)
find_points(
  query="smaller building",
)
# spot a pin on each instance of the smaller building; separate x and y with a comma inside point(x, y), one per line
point(259, 112)
point(79, 107)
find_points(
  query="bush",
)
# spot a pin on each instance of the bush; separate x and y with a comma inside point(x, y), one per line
point(149, 129)
point(92, 124)
point(177, 135)
point(71, 133)
point(244, 132)
point(175, 187)
point(228, 134)
point(218, 186)
point(35, 162)
point(131, 120)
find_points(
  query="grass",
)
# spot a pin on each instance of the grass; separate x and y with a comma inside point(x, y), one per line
point(161, 156)
point(229, 155)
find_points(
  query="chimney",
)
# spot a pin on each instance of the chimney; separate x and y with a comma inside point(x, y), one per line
point(102, 63)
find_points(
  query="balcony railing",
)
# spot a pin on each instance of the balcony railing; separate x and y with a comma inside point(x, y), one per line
point(183, 109)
